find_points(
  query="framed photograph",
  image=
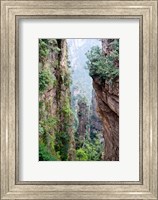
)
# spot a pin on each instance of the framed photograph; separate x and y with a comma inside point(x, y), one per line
point(78, 99)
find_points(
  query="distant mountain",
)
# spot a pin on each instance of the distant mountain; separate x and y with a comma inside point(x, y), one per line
point(76, 55)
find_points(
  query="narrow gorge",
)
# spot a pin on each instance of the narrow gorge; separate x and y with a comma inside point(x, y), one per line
point(78, 99)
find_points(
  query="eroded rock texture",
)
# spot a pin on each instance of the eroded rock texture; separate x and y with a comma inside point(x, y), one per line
point(107, 96)
point(83, 119)
point(96, 125)
point(55, 117)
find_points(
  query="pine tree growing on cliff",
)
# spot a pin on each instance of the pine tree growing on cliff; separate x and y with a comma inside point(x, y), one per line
point(101, 66)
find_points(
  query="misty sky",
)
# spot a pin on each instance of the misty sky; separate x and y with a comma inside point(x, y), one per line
point(76, 55)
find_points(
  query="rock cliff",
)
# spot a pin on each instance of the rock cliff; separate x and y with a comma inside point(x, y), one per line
point(96, 125)
point(55, 115)
point(83, 119)
point(107, 96)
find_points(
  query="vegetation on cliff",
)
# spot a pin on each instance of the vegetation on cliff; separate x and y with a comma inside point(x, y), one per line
point(101, 66)
point(70, 126)
point(54, 101)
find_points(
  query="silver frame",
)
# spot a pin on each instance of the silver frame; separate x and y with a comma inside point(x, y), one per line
point(11, 12)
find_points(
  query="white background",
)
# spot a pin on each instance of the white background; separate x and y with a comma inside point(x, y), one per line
point(127, 169)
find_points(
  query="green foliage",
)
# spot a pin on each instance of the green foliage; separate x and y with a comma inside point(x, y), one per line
point(55, 64)
point(45, 79)
point(54, 130)
point(56, 133)
point(81, 155)
point(86, 148)
point(94, 149)
point(115, 45)
point(53, 46)
point(67, 80)
point(89, 150)
point(41, 129)
point(43, 49)
point(62, 144)
point(47, 140)
point(62, 141)
point(47, 129)
point(44, 154)
point(66, 109)
point(47, 125)
point(42, 111)
point(46, 46)
point(101, 66)
point(78, 141)
point(56, 49)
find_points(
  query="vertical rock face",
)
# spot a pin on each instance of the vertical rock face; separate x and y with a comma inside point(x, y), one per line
point(96, 125)
point(107, 96)
point(64, 114)
point(83, 118)
point(55, 117)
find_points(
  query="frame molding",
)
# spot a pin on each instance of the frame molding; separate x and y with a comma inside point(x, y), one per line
point(11, 11)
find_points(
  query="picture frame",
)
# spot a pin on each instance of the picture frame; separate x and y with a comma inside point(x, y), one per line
point(11, 12)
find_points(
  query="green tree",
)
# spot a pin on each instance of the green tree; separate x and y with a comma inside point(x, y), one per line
point(81, 155)
point(101, 66)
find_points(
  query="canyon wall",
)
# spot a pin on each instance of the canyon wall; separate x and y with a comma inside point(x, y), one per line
point(107, 96)
point(96, 125)
point(83, 119)
point(55, 115)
